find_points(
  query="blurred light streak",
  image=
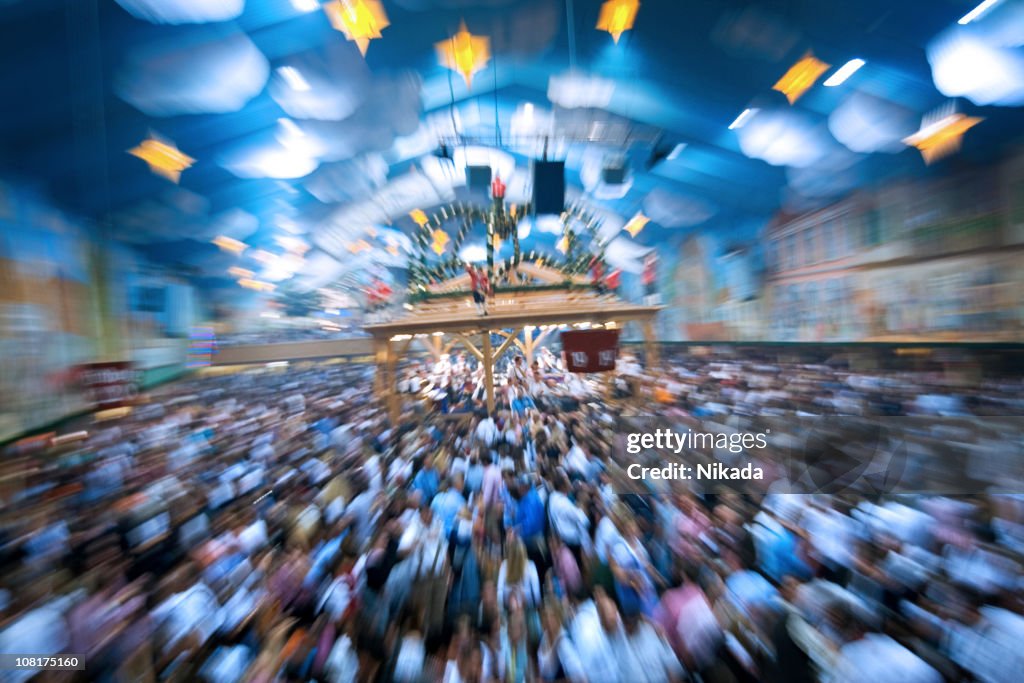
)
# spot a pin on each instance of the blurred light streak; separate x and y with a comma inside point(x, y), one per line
point(306, 5)
point(742, 119)
point(293, 78)
point(977, 12)
point(676, 151)
point(844, 72)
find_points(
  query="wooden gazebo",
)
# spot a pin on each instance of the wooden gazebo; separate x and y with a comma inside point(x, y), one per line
point(524, 315)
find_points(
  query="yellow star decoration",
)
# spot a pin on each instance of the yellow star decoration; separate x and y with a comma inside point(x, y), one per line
point(617, 17)
point(440, 236)
point(464, 53)
point(800, 77)
point(360, 20)
point(360, 246)
point(164, 159)
point(230, 244)
point(496, 242)
point(563, 244)
point(942, 138)
point(419, 217)
point(257, 285)
point(636, 224)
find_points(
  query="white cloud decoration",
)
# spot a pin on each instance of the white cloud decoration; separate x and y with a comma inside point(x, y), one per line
point(784, 137)
point(672, 210)
point(184, 11)
point(967, 63)
point(328, 85)
point(204, 71)
point(865, 123)
point(626, 255)
point(575, 89)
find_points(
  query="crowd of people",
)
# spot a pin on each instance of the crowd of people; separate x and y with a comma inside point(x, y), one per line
point(276, 526)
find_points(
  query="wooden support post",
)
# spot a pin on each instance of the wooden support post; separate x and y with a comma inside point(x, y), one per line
point(650, 345)
point(466, 342)
point(530, 344)
point(509, 340)
point(380, 352)
point(488, 361)
point(391, 391)
point(435, 345)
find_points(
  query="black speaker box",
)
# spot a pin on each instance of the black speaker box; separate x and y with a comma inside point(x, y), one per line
point(478, 177)
point(613, 174)
point(549, 187)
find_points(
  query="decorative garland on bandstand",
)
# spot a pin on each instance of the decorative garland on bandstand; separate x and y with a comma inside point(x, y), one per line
point(502, 225)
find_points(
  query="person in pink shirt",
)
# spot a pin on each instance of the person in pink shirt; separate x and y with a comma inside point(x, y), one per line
point(493, 484)
point(685, 615)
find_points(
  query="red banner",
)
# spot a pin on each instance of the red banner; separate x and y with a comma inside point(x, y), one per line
point(590, 350)
point(109, 385)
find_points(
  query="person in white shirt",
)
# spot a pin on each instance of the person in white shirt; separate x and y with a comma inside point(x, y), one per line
point(589, 631)
point(518, 576)
point(643, 652)
point(557, 656)
point(874, 657)
point(487, 431)
point(576, 460)
point(568, 522)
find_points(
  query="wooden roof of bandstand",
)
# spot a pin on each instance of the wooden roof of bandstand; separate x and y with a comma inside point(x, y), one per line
point(538, 298)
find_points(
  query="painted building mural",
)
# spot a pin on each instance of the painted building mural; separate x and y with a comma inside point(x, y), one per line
point(62, 305)
point(930, 260)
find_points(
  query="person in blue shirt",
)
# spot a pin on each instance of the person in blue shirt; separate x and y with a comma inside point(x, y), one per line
point(427, 481)
point(527, 520)
point(529, 514)
point(447, 504)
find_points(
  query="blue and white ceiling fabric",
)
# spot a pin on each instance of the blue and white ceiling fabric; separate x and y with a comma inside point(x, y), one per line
point(313, 155)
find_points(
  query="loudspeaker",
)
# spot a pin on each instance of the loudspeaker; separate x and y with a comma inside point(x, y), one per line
point(549, 187)
point(613, 174)
point(478, 177)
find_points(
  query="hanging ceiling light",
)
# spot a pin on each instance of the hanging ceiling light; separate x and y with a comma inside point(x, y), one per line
point(464, 53)
point(800, 77)
point(617, 17)
point(360, 20)
point(164, 159)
